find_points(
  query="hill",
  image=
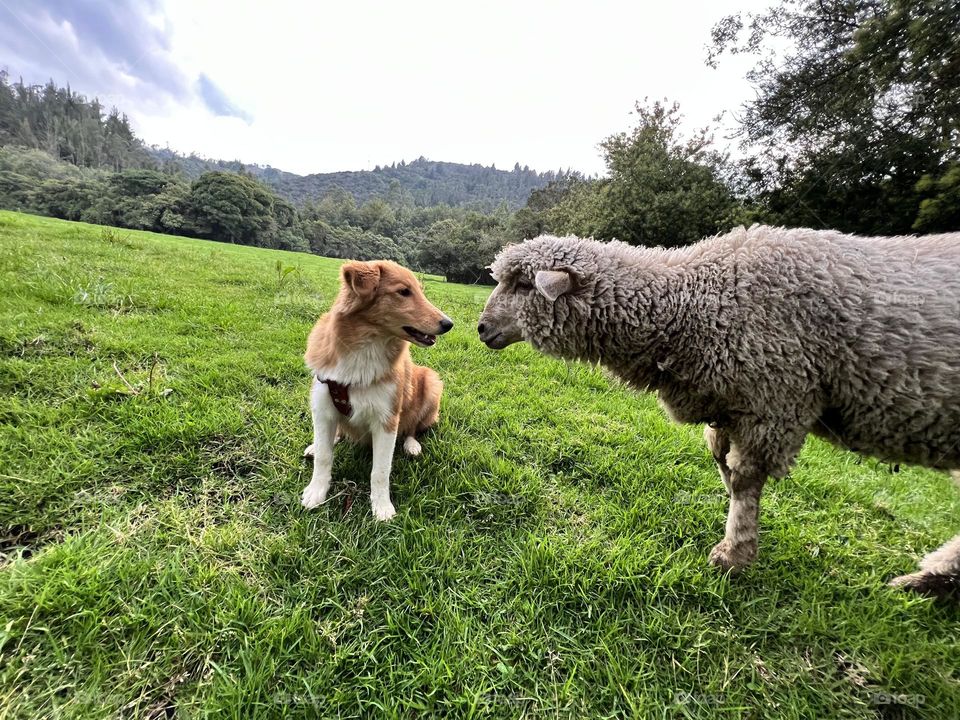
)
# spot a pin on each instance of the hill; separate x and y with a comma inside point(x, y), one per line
point(548, 559)
point(423, 182)
point(75, 130)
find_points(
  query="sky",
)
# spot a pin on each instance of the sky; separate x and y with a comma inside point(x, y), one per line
point(325, 86)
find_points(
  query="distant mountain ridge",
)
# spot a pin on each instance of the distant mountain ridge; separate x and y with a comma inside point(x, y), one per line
point(76, 131)
point(423, 182)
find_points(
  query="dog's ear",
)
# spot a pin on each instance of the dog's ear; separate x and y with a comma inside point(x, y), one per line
point(553, 283)
point(360, 283)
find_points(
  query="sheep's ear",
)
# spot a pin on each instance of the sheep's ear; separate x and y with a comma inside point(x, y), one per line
point(553, 283)
point(360, 283)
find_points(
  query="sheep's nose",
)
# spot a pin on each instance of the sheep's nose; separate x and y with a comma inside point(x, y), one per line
point(480, 328)
point(445, 324)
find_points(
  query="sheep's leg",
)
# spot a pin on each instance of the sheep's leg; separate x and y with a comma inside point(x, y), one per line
point(757, 450)
point(719, 443)
point(739, 545)
point(939, 572)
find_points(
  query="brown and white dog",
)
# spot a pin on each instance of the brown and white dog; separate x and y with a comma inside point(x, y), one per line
point(365, 386)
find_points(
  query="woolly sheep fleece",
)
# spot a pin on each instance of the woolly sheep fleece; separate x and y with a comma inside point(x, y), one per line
point(764, 334)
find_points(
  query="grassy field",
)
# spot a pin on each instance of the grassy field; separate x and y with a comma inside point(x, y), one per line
point(548, 558)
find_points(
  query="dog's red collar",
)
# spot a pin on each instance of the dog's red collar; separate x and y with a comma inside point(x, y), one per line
point(340, 394)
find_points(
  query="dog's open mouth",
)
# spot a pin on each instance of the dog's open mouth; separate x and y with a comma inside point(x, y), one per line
point(420, 338)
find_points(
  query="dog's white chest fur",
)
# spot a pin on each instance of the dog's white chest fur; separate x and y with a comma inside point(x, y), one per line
point(373, 401)
point(360, 367)
point(373, 405)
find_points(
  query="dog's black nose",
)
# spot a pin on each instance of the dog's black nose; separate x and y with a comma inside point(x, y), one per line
point(446, 324)
point(480, 328)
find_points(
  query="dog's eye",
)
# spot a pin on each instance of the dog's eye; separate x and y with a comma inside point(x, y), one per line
point(405, 292)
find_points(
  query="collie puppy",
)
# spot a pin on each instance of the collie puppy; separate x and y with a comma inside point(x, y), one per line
point(365, 387)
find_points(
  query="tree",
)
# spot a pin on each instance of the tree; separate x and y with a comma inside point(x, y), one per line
point(526, 223)
point(350, 242)
point(462, 250)
point(377, 216)
point(940, 206)
point(235, 208)
point(661, 189)
point(66, 198)
point(338, 207)
point(863, 104)
point(8, 111)
point(65, 125)
point(147, 200)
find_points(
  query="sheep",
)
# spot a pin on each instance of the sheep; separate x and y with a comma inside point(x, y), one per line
point(764, 334)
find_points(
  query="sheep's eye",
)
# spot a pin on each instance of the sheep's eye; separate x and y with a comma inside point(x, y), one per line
point(406, 292)
point(523, 286)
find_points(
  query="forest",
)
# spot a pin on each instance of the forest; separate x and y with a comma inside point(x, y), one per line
point(856, 128)
point(424, 182)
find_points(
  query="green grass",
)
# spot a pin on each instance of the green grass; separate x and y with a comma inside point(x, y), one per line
point(548, 559)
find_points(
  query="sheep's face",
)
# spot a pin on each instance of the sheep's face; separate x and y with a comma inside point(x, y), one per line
point(498, 325)
point(518, 295)
point(543, 296)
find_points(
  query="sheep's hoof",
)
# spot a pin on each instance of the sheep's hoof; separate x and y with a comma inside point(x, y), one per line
point(730, 558)
point(929, 584)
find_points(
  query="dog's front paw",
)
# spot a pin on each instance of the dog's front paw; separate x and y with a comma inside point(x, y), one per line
point(314, 495)
point(383, 510)
point(729, 557)
point(309, 451)
point(411, 446)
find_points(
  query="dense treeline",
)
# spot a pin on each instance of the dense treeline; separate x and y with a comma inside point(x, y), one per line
point(234, 207)
point(67, 127)
point(424, 182)
point(856, 128)
point(62, 156)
